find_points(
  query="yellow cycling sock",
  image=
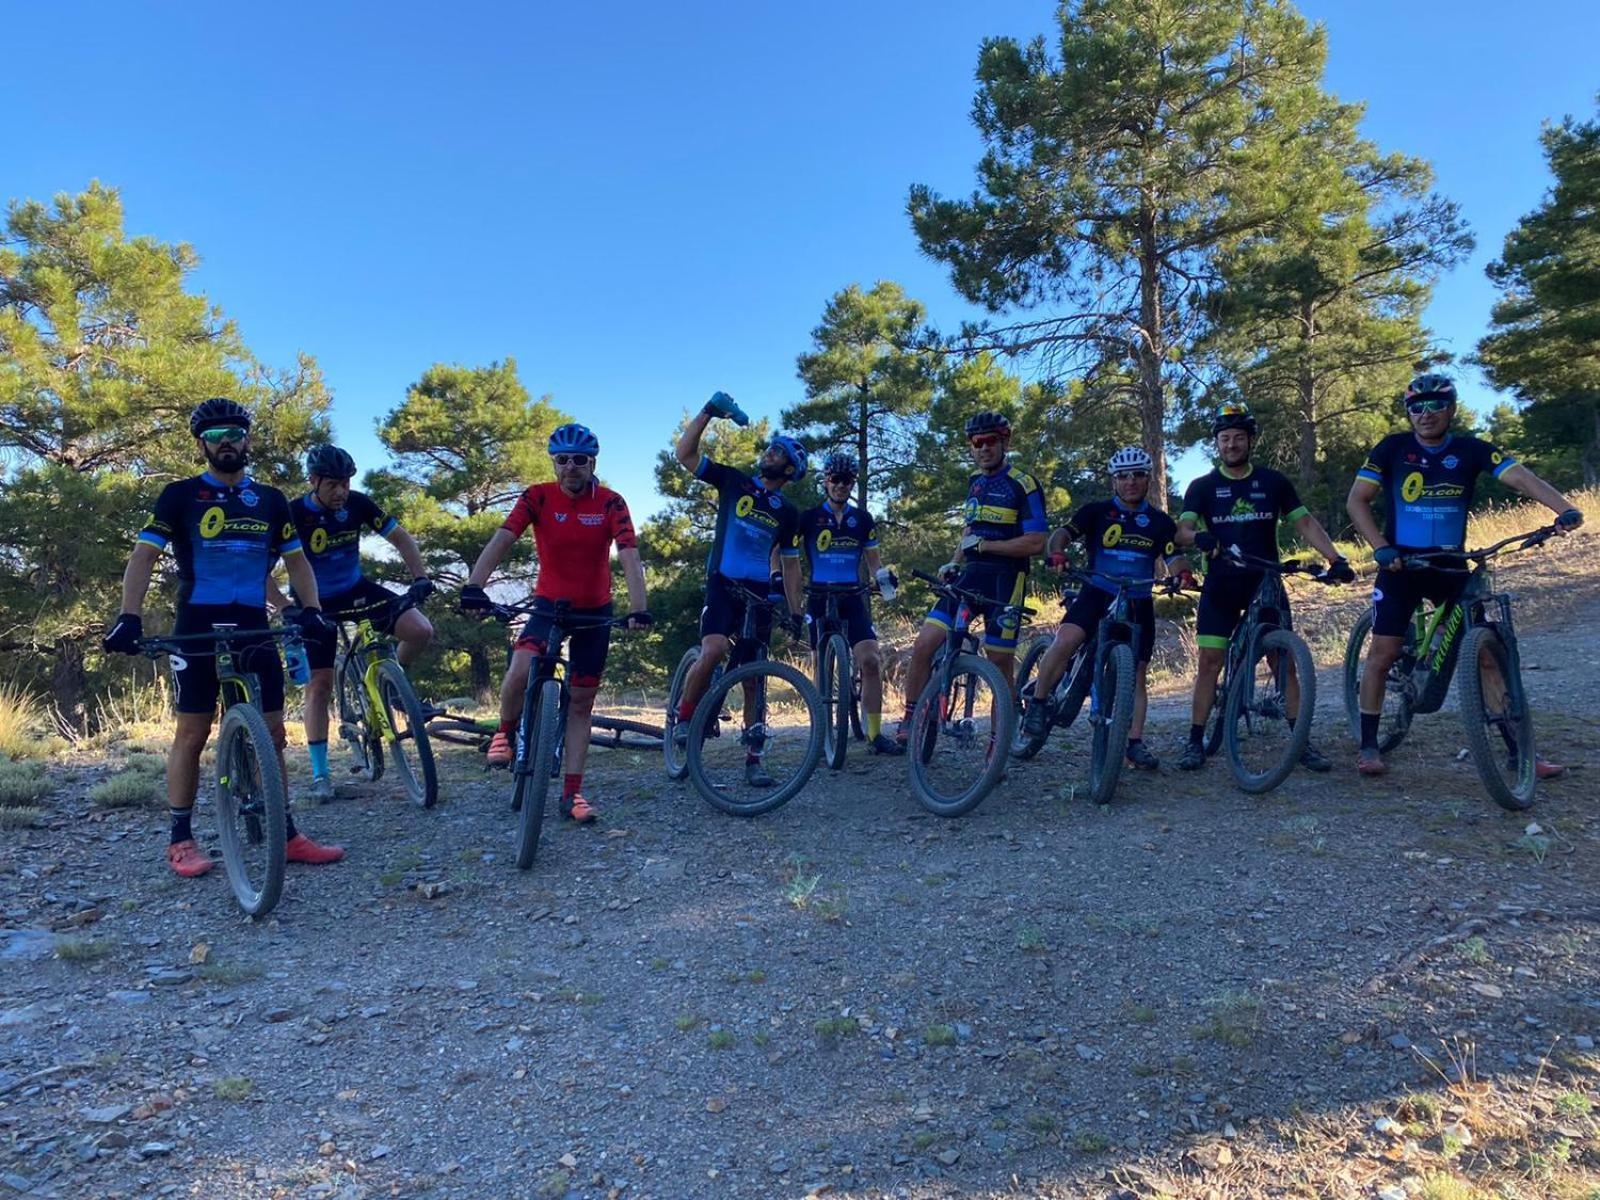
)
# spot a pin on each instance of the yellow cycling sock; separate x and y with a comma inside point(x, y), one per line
point(874, 725)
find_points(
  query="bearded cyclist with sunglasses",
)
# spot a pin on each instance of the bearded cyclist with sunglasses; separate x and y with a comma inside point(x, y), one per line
point(575, 522)
point(1428, 476)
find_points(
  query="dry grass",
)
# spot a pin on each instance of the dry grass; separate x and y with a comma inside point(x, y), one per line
point(26, 730)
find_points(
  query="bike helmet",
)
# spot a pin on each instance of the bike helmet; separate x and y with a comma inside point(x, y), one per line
point(1430, 384)
point(988, 422)
point(329, 462)
point(1130, 458)
point(839, 463)
point(573, 438)
point(1233, 414)
point(796, 454)
point(218, 410)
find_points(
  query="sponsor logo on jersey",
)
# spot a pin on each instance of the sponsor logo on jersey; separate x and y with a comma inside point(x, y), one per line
point(1411, 490)
point(590, 519)
point(1111, 536)
point(319, 540)
point(1141, 520)
point(1450, 462)
point(560, 517)
point(249, 499)
point(342, 514)
point(824, 540)
point(774, 501)
point(744, 506)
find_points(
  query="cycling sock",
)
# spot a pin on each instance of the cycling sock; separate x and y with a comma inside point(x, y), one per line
point(1132, 742)
point(1369, 730)
point(506, 727)
point(571, 784)
point(685, 711)
point(289, 831)
point(751, 760)
point(1197, 734)
point(182, 831)
point(874, 725)
point(319, 758)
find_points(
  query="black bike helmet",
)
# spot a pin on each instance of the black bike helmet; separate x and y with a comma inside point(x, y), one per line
point(218, 410)
point(839, 463)
point(1430, 384)
point(988, 422)
point(329, 462)
point(1233, 414)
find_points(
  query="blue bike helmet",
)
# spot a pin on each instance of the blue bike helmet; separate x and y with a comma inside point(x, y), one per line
point(796, 454)
point(573, 438)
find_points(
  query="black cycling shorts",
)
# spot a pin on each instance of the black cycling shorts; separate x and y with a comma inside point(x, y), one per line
point(724, 614)
point(194, 674)
point(1396, 595)
point(1224, 597)
point(587, 648)
point(1005, 585)
point(321, 648)
point(1091, 606)
point(854, 617)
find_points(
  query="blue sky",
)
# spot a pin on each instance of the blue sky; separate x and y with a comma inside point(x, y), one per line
point(641, 203)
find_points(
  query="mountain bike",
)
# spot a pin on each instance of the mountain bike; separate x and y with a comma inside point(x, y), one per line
point(1071, 690)
point(1254, 715)
point(781, 735)
point(1105, 671)
point(954, 761)
point(1478, 629)
point(542, 730)
point(378, 706)
point(838, 674)
point(251, 798)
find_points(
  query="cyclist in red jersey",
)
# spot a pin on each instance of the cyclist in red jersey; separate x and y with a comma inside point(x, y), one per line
point(575, 522)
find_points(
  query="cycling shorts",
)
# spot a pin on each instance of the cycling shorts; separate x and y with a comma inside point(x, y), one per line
point(587, 649)
point(854, 616)
point(724, 614)
point(1396, 595)
point(1005, 587)
point(321, 648)
point(194, 674)
point(1093, 603)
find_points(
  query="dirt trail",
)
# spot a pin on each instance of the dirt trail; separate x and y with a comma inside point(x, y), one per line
point(846, 997)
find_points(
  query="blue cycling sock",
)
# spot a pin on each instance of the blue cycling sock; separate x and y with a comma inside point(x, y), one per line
point(319, 758)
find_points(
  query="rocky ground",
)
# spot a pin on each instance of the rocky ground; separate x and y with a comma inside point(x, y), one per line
point(1346, 988)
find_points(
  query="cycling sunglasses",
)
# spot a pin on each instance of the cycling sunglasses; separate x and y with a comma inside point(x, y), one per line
point(224, 433)
point(838, 478)
point(1231, 409)
point(572, 460)
point(1131, 475)
point(984, 440)
point(1430, 404)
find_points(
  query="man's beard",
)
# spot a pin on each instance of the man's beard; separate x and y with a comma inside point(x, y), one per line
point(233, 458)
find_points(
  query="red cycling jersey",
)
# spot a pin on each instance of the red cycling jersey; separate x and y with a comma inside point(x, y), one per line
point(573, 539)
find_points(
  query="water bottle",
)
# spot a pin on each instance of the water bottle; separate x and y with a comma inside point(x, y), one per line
point(885, 580)
point(724, 405)
point(294, 654)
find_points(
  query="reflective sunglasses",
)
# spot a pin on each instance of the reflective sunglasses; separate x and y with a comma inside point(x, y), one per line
point(984, 440)
point(1232, 409)
point(841, 478)
point(1426, 404)
point(224, 433)
point(573, 460)
point(1131, 475)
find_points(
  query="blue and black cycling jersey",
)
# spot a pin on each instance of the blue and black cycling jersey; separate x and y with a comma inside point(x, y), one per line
point(331, 538)
point(225, 538)
point(1428, 489)
point(752, 520)
point(1002, 505)
point(834, 543)
point(1123, 542)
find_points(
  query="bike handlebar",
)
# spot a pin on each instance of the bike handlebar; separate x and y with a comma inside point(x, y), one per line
point(1518, 541)
point(179, 643)
point(966, 594)
point(1293, 567)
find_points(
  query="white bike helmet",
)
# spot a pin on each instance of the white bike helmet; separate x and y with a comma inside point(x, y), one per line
point(1130, 458)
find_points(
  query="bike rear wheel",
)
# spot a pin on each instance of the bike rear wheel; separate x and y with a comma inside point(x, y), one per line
point(835, 669)
point(954, 760)
point(786, 738)
point(1395, 720)
point(409, 745)
point(1263, 745)
point(676, 757)
point(251, 809)
point(355, 727)
point(1499, 728)
point(1024, 745)
point(536, 744)
point(1113, 713)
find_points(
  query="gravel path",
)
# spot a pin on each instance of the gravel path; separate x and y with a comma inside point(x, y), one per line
point(846, 997)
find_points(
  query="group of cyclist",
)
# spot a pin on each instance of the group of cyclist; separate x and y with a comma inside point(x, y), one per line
point(226, 532)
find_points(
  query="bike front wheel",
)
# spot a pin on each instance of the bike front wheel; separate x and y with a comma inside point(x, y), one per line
point(408, 733)
point(1111, 717)
point(835, 670)
point(1264, 738)
point(536, 743)
point(251, 809)
point(962, 731)
point(1497, 719)
point(778, 748)
point(1395, 720)
point(676, 756)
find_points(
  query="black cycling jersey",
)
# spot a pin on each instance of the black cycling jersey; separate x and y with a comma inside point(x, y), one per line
point(332, 538)
point(834, 545)
point(225, 538)
point(1242, 511)
point(1123, 542)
